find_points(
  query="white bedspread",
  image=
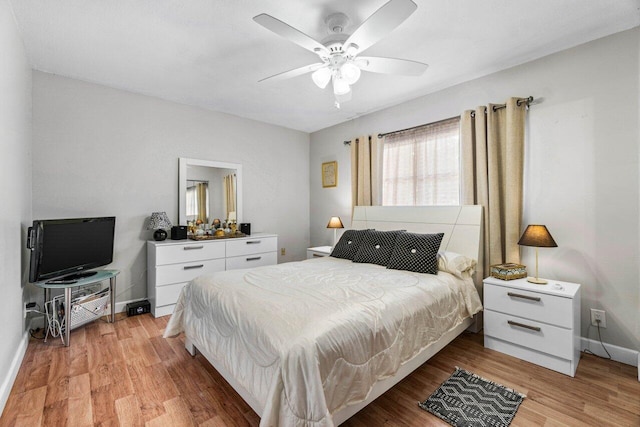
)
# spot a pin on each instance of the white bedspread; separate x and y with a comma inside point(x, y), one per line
point(307, 338)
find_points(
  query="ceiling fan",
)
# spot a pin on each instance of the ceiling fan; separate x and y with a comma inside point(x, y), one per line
point(339, 52)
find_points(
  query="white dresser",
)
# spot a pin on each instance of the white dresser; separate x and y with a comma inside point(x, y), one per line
point(171, 264)
point(536, 323)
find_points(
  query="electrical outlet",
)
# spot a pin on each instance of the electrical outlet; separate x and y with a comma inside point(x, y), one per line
point(283, 251)
point(598, 316)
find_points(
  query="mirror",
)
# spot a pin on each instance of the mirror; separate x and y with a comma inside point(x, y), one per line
point(208, 190)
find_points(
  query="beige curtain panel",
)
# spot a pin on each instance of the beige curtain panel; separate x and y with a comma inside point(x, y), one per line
point(201, 196)
point(365, 170)
point(492, 141)
point(230, 193)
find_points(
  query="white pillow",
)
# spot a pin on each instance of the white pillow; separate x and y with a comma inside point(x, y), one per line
point(455, 264)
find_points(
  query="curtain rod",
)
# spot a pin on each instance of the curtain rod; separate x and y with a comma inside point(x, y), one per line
point(528, 100)
point(380, 135)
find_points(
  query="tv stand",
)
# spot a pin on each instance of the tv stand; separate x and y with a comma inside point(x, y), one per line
point(91, 277)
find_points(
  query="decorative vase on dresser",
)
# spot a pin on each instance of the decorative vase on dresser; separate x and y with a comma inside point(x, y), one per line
point(536, 323)
point(171, 264)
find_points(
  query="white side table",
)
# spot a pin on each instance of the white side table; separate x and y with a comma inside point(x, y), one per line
point(319, 251)
point(536, 323)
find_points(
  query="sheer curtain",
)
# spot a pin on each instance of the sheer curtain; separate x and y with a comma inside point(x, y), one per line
point(421, 165)
point(202, 198)
point(365, 169)
point(493, 163)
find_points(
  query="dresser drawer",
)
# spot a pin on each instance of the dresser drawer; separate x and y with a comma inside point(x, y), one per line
point(541, 307)
point(252, 260)
point(169, 294)
point(177, 273)
point(528, 333)
point(187, 252)
point(251, 246)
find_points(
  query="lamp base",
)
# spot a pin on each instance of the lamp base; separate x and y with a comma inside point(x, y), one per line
point(159, 235)
point(537, 281)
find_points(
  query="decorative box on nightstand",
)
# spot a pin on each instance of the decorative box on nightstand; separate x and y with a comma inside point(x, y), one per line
point(536, 323)
point(319, 251)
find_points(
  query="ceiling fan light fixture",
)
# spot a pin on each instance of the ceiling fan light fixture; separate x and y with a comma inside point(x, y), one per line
point(340, 86)
point(351, 50)
point(321, 77)
point(350, 73)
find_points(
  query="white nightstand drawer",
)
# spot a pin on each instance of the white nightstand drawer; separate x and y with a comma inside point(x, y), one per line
point(252, 260)
point(177, 273)
point(528, 333)
point(251, 246)
point(169, 294)
point(174, 254)
point(541, 307)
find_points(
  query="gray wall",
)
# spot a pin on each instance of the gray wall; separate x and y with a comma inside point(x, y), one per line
point(581, 177)
point(101, 151)
point(15, 193)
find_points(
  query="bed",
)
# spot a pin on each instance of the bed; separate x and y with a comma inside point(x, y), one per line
point(311, 343)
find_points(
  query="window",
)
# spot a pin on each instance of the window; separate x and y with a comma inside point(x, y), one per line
point(422, 166)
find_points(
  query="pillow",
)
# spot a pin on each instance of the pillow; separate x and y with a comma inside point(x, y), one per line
point(348, 244)
point(377, 247)
point(416, 252)
point(455, 264)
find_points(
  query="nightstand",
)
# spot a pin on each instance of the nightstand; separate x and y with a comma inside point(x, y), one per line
point(536, 323)
point(319, 251)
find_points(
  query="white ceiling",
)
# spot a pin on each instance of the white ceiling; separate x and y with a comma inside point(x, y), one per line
point(211, 53)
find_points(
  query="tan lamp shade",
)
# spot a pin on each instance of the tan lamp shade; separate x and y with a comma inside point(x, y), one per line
point(335, 222)
point(537, 235)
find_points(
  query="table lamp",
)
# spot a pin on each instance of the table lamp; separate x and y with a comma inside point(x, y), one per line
point(335, 223)
point(159, 222)
point(539, 237)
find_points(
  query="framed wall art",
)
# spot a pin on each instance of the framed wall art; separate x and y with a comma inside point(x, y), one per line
point(330, 174)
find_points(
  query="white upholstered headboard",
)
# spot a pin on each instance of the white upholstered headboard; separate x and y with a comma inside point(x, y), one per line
point(461, 225)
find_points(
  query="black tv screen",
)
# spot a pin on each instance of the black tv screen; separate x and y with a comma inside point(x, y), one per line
point(61, 247)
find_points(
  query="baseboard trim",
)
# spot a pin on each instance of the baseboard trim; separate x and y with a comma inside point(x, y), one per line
point(7, 383)
point(619, 354)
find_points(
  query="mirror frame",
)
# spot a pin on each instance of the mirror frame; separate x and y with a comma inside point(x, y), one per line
point(184, 164)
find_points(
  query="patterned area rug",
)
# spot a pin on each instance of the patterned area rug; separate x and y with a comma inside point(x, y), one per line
point(466, 399)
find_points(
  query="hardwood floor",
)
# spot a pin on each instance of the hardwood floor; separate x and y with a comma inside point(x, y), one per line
point(126, 374)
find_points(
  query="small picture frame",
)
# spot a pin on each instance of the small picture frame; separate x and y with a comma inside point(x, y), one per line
point(330, 174)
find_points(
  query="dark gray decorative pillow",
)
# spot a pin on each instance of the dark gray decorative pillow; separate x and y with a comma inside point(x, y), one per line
point(377, 247)
point(416, 252)
point(348, 244)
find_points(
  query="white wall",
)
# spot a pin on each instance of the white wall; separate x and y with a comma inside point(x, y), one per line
point(15, 193)
point(582, 174)
point(101, 151)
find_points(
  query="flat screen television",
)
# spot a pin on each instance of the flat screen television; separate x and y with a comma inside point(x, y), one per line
point(65, 249)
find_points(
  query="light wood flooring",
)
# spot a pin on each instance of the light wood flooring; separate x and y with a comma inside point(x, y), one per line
point(126, 374)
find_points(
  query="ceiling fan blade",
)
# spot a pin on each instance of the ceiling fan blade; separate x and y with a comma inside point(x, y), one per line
point(381, 23)
point(295, 72)
point(288, 32)
point(403, 67)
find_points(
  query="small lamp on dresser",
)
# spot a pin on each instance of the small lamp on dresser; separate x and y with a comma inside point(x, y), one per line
point(159, 222)
point(335, 223)
point(539, 237)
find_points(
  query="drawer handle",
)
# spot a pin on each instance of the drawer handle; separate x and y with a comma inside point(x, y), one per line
point(522, 325)
point(190, 267)
point(252, 242)
point(186, 248)
point(255, 258)
point(318, 256)
point(511, 294)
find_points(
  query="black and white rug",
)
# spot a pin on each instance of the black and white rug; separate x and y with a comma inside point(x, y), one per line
point(466, 399)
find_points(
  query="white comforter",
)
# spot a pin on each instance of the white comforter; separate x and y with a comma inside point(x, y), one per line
point(307, 338)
